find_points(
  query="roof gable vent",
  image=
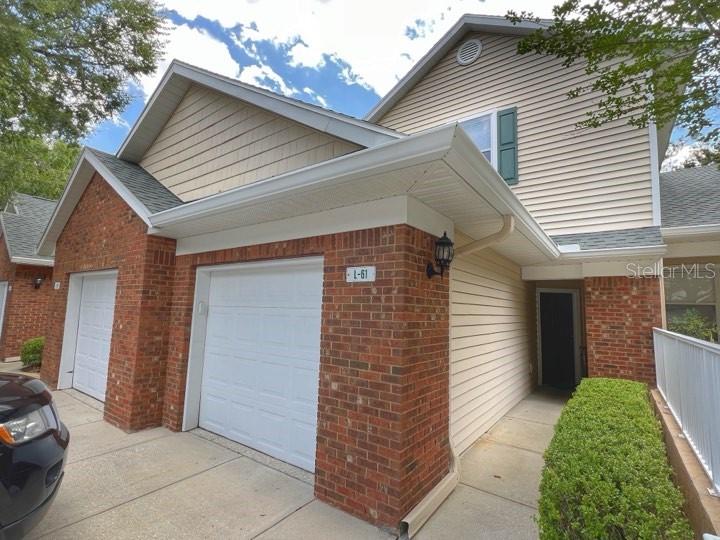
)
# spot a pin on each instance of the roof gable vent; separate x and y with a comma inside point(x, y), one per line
point(469, 52)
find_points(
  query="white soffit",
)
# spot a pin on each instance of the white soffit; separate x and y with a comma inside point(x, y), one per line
point(441, 168)
point(180, 76)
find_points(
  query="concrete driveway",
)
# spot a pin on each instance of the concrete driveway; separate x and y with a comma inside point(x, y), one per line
point(160, 484)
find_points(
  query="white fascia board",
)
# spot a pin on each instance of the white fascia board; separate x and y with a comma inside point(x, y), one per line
point(32, 261)
point(613, 253)
point(690, 231)
point(401, 209)
point(344, 127)
point(655, 175)
point(631, 268)
point(73, 190)
point(424, 147)
point(4, 234)
point(469, 163)
point(693, 249)
point(468, 22)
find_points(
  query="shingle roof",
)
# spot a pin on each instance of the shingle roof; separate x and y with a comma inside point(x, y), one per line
point(148, 190)
point(24, 227)
point(622, 238)
point(690, 196)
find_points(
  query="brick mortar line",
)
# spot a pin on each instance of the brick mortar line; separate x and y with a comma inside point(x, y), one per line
point(47, 533)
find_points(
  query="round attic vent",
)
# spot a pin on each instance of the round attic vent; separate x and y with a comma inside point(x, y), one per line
point(469, 52)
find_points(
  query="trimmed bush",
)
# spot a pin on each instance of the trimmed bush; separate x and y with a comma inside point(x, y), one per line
point(31, 352)
point(606, 471)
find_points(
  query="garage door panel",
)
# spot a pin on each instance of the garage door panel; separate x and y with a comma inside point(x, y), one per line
point(94, 334)
point(262, 355)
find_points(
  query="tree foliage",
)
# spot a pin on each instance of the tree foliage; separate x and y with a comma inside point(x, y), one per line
point(33, 166)
point(65, 67)
point(649, 60)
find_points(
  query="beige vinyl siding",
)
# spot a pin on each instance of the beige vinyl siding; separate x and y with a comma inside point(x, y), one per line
point(571, 180)
point(491, 342)
point(213, 143)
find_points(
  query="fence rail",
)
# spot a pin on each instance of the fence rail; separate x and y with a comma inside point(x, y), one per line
point(688, 377)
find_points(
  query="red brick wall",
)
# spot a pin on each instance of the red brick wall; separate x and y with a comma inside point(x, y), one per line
point(104, 233)
point(25, 307)
point(383, 397)
point(620, 313)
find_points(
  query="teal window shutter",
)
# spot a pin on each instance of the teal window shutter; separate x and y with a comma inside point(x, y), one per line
point(507, 145)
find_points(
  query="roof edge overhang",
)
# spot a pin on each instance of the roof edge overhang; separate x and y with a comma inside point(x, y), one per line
point(466, 23)
point(613, 253)
point(33, 261)
point(163, 102)
point(691, 232)
point(447, 143)
point(86, 166)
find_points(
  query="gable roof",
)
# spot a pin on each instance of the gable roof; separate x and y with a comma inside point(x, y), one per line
point(137, 187)
point(690, 197)
point(178, 78)
point(491, 24)
point(23, 227)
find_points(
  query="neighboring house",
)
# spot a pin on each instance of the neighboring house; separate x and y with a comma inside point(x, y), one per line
point(24, 275)
point(207, 275)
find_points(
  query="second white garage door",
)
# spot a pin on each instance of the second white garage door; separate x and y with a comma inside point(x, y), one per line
point(262, 357)
point(94, 333)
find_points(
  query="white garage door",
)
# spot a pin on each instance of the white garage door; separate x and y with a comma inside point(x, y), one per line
point(262, 357)
point(95, 321)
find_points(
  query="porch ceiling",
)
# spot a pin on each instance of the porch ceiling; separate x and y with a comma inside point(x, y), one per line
point(442, 169)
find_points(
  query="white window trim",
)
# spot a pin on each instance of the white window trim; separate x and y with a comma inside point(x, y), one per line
point(492, 113)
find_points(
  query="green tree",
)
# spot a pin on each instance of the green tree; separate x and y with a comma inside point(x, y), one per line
point(64, 67)
point(33, 166)
point(650, 60)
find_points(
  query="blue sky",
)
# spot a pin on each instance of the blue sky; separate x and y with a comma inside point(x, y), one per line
point(334, 53)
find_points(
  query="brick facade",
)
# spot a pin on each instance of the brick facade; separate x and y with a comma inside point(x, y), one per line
point(104, 233)
point(620, 313)
point(383, 397)
point(26, 307)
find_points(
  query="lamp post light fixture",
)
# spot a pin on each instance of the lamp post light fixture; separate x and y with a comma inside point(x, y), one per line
point(37, 281)
point(444, 252)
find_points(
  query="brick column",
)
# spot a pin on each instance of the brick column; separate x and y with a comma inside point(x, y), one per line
point(383, 408)
point(620, 313)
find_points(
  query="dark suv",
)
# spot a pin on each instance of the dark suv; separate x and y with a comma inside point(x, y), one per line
point(33, 442)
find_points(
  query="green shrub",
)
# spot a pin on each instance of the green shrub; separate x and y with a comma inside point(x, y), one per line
point(31, 352)
point(692, 323)
point(606, 472)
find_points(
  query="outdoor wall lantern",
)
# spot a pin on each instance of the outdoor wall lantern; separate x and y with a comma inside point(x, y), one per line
point(38, 281)
point(444, 252)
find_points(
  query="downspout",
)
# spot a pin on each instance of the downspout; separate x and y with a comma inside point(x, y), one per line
point(419, 515)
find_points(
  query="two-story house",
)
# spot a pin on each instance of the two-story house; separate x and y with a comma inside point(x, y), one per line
point(258, 266)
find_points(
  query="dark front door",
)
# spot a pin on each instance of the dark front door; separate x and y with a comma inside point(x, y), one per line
point(557, 339)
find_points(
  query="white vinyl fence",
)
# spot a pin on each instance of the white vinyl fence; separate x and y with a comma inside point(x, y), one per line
point(688, 376)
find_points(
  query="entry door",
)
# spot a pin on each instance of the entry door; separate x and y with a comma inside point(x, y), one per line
point(262, 356)
point(94, 332)
point(557, 339)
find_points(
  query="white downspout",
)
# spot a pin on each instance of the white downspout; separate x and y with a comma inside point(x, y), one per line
point(431, 502)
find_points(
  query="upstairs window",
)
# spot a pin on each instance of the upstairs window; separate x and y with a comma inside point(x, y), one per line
point(495, 135)
point(480, 131)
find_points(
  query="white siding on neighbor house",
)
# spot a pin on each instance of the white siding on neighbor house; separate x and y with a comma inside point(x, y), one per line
point(492, 332)
point(571, 180)
point(214, 142)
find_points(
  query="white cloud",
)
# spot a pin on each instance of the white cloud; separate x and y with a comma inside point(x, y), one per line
point(257, 75)
point(369, 35)
point(316, 97)
point(194, 47)
point(679, 153)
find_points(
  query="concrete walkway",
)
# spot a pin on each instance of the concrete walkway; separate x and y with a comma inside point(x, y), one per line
point(500, 477)
point(160, 484)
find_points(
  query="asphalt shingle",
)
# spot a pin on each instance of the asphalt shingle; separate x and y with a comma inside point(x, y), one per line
point(148, 190)
point(690, 196)
point(25, 224)
point(622, 238)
